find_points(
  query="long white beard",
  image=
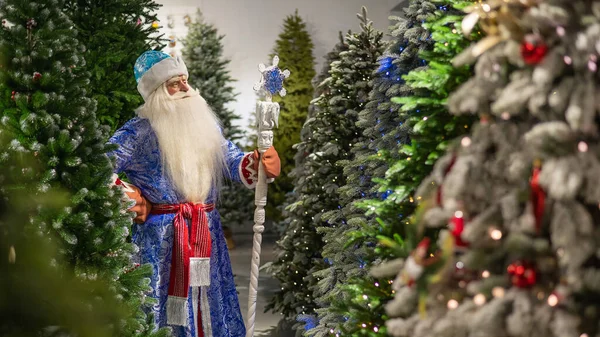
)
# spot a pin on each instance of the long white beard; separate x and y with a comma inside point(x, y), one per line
point(190, 141)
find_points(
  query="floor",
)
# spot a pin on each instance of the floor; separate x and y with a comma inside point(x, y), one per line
point(265, 324)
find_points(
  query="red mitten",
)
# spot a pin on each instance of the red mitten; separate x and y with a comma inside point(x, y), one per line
point(271, 162)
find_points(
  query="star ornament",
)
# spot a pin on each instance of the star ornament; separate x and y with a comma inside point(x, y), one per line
point(271, 79)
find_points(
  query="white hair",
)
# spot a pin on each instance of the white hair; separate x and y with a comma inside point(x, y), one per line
point(190, 141)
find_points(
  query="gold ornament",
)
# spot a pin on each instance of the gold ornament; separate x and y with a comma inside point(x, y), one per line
point(155, 24)
point(499, 19)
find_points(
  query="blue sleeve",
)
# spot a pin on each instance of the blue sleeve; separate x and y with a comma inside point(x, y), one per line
point(127, 139)
point(233, 159)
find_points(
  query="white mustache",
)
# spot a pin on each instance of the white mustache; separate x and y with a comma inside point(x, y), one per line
point(183, 94)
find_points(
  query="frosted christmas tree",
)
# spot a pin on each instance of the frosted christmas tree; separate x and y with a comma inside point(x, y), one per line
point(516, 200)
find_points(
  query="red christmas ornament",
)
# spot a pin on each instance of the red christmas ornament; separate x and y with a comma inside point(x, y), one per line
point(522, 274)
point(12, 96)
point(439, 191)
point(36, 76)
point(533, 49)
point(457, 226)
point(538, 197)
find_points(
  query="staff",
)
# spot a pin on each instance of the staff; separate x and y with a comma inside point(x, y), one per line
point(267, 117)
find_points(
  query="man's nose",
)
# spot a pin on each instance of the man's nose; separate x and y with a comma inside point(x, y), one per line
point(183, 86)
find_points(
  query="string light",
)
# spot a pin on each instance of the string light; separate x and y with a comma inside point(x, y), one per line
point(552, 300)
point(582, 146)
point(568, 60)
point(498, 292)
point(485, 274)
point(466, 141)
point(479, 299)
point(452, 304)
point(495, 233)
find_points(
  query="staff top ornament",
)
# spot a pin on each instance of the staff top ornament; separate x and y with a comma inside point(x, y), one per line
point(271, 79)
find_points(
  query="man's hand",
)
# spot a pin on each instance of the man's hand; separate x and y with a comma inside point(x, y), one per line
point(271, 162)
point(142, 206)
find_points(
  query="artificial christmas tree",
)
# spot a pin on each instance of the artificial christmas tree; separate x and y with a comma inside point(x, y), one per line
point(384, 130)
point(114, 33)
point(345, 178)
point(517, 200)
point(44, 104)
point(429, 126)
point(44, 294)
point(207, 66)
point(294, 47)
point(299, 249)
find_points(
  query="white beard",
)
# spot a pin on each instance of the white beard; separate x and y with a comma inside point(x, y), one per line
point(190, 141)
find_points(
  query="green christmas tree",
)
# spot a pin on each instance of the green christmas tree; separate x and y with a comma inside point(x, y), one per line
point(114, 33)
point(207, 66)
point(294, 47)
point(299, 249)
point(346, 179)
point(516, 201)
point(424, 115)
point(384, 130)
point(44, 294)
point(44, 104)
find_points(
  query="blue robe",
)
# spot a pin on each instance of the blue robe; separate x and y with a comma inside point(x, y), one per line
point(138, 156)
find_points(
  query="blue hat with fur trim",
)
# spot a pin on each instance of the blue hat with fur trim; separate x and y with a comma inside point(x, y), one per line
point(154, 68)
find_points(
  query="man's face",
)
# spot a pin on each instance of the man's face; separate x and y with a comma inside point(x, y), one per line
point(177, 84)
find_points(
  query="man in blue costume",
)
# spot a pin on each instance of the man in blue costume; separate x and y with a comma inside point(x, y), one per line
point(175, 157)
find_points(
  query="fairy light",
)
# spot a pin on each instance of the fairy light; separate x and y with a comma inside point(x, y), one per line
point(466, 141)
point(479, 299)
point(485, 274)
point(452, 304)
point(505, 115)
point(582, 146)
point(498, 292)
point(495, 233)
point(552, 300)
point(365, 297)
point(568, 60)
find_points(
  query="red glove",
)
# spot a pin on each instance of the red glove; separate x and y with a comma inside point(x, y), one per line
point(271, 162)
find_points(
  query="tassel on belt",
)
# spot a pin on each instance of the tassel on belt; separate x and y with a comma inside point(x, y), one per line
point(190, 261)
